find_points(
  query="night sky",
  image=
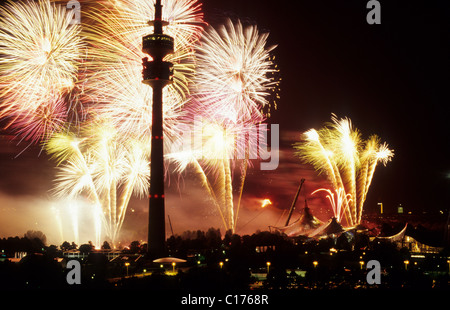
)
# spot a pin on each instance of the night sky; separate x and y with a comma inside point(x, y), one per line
point(390, 79)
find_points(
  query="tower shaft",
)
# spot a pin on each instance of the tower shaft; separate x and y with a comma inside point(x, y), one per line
point(156, 224)
point(157, 73)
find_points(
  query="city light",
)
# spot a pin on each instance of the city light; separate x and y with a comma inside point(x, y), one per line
point(406, 262)
point(127, 264)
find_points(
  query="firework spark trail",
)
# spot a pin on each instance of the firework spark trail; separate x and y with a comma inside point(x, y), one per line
point(368, 156)
point(347, 159)
point(233, 82)
point(41, 55)
point(74, 176)
point(42, 123)
point(110, 168)
point(228, 193)
point(383, 155)
point(316, 155)
point(184, 16)
point(214, 152)
point(234, 70)
point(136, 180)
point(208, 186)
point(242, 182)
point(57, 214)
point(98, 223)
point(216, 147)
point(190, 157)
point(338, 202)
point(103, 167)
point(65, 147)
point(112, 88)
point(312, 151)
point(74, 212)
point(115, 72)
point(347, 141)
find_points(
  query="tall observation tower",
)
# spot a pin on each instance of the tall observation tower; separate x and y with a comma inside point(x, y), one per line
point(157, 73)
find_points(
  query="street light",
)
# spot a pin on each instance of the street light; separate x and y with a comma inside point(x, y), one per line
point(406, 262)
point(126, 265)
point(315, 263)
point(173, 267)
point(381, 207)
point(268, 267)
point(361, 263)
point(221, 265)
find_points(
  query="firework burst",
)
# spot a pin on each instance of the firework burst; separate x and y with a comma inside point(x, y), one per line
point(235, 70)
point(105, 161)
point(101, 166)
point(114, 76)
point(212, 146)
point(41, 55)
point(339, 200)
point(349, 162)
point(234, 77)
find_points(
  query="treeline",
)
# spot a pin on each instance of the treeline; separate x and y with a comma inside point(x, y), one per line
point(212, 241)
point(35, 242)
point(31, 242)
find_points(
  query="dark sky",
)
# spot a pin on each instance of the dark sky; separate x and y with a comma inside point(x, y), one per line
point(390, 79)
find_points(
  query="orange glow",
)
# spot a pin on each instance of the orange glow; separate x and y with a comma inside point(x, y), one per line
point(265, 203)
